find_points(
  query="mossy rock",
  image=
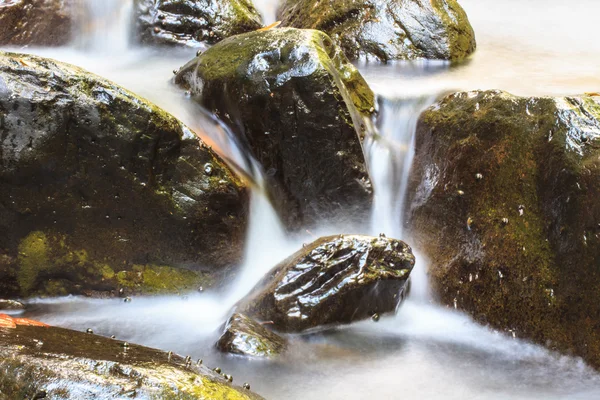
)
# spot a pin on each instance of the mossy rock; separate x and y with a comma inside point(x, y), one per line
point(334, 280)
point(35, 22)
point(505, 205)
point(66, 364)
point(244, 336)
point(294, 101)
point(387, 30)
point(193, 23)
point(94, 181)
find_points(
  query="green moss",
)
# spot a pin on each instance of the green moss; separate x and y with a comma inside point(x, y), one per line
point(32, 259)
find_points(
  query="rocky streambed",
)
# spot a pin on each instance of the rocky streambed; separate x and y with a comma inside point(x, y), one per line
point(170, 229)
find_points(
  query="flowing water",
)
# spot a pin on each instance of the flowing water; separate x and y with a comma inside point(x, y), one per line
point(538, 47)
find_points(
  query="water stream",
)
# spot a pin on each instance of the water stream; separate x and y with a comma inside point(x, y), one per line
point(425, 351)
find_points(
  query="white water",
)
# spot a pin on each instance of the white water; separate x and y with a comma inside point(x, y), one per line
point(425, 352)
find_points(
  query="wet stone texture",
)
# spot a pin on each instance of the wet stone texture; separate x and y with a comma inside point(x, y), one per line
point(387, 30)
point(334, 280)
point(506, 207)
point(101, 190)
point(193, 23)
point(65, 364)
point(35, 22)
point(292, 98)
point(247, 337)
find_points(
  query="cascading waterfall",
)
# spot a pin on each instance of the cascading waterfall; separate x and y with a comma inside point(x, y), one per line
point(439, 353)
point(102, 25)
point(390, 156)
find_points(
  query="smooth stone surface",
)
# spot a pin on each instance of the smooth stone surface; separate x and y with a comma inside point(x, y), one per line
point(247, 337)
point(101, 190)
point(520, 250)
point(387, 30)
point(67, 364)
point(294, 101)
point(334, 280)
point(193, 23)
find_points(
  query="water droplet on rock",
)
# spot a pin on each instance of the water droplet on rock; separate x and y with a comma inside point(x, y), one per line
point(375, 317)
point(217, 370)
point(247, 386)
point(478, 176)
point(208, 169)
point(505, 221)
point(89, 330)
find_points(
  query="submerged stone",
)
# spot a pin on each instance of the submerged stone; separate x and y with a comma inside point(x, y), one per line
point(387, 30)
point(247, 337)
point(298, 106)
point(193, 22)
point(536, 272)
point(35, 22)
point(334, 280)
point(75, 149)
point(66, 364)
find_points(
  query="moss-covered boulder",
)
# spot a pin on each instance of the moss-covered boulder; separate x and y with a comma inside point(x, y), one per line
point(506, 206)
point(193, 23)
point(295, 102)
point(244, 336)
point(387, 30)
point(54, 363)
point(102, 190)
point(334, 280)
point(35, 22)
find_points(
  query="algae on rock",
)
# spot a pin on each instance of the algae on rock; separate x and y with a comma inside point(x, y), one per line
point(95, 180)
point(519, 247)
point(301, 109)
point(387, 30)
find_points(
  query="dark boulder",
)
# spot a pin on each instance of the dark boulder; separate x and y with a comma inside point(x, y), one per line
point(292, 98)
point(193, 23)
point(46, 362)
point(506, 206)
point(35, 22)
point(101, 190)
point(387, 30)
point(334, 280)
point(247, 337)
point(11, 305)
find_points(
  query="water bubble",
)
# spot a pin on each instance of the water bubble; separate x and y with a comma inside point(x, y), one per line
point(246, 386)
point(208, 169)
point(375, 317)
point(127, 300)
point(89, 330)
point(217, 370)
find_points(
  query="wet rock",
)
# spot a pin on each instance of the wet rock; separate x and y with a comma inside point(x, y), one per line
point(534, 272)
point(387, 30)
point(101, 190)
point(35, 22)
point(292, 98)
point(67, 364)
point(11, 305)
point(247, 337)
point(193, 22)
point(334, 280)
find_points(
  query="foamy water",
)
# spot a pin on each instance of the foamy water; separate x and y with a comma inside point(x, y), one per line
point(537, 47)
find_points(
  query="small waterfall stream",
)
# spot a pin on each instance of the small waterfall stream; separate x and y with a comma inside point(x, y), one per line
point(423, 352)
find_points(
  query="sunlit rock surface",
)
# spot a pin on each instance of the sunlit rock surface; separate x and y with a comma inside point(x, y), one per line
point(506, 206)
point(55, 363)
point(102, 190)
point(247, 337)
point(387, 30)
point(193, 22)
point(35, 22)
point(295, 102)
point(334, 280)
